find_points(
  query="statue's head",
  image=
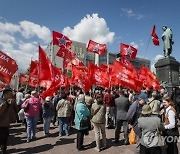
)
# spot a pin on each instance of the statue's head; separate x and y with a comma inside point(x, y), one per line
point(164, 27)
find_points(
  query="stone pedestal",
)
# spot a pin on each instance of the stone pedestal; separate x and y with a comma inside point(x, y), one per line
point(167, 70)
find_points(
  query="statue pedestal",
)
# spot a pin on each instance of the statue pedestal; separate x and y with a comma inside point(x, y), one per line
point(167, 70)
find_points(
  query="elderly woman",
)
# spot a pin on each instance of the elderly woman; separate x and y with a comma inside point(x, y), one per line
point(63, 109)
point(170, 124)
point(98, 112)
point(151, 126)
point(32, 107)
point(81, 112)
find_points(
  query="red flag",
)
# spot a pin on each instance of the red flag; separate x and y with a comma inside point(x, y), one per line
point(127, 50)
point(8, 67)
point(75, 62)
point(46, 73)
point(34, 74)
point(67, 55)
point(98, 75)
point(96, 47)
point(81, 78)
point(24, 78)
point(150, 80)
point(155, 38)
point(61, 40)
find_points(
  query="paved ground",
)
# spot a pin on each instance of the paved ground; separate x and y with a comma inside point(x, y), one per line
point(61, 145)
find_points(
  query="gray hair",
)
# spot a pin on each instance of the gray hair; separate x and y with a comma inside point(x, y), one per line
point(81, 98)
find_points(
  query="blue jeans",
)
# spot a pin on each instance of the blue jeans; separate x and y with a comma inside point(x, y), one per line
point(47, 121)
point(31, 126)
point(63, 121)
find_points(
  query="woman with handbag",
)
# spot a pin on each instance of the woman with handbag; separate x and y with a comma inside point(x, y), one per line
point(151, 141)
point(82, 115)
point(98, 112)
point(32, 108)
point(171, 132)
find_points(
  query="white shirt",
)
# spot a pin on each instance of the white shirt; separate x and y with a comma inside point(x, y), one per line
point(171, 118)
point(19, 98)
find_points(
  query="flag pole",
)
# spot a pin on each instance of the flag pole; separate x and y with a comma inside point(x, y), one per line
point(147, 47)
point(38, 74)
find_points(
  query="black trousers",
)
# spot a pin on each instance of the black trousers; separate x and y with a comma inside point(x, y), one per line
point(55, 117)
point(80, 138)
point(119, 124)
point(153, 150)
point(172, 148)
point(4, 133)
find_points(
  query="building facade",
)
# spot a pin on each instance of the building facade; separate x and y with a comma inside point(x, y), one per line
point(82, 54)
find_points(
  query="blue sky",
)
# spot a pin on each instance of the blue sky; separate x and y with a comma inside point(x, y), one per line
point(25, 24)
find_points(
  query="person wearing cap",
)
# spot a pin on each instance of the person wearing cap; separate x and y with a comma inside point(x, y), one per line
point(8, 112)
point(32, 115)
point(134, 113)
point(150, 125)
point(47, 114)
point(98, 111)
point(154, 103)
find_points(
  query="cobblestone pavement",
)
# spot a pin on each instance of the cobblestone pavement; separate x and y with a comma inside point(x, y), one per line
point(61, 145)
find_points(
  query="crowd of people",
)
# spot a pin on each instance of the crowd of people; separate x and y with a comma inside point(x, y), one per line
point(152, 115)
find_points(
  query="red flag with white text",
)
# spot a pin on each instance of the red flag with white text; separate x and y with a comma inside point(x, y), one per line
point(8, 67)
point(99, 75)
point(96, 47)
point(128, 50)
point(67, 55)
point(81, 78)
point(34, 74)
point(24, 78)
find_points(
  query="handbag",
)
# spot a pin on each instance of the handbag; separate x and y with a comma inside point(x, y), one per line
point(174, 132)
point(84, 122)
point(132, 137)
point(153, 138)
point(26, 106)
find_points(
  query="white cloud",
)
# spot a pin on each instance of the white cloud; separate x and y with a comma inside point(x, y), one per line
point(30, 29)
point(90, 27)
point(6, 46)
point(154, 61)
point(134, 45)
point(28, 47)
point(131, 14)
point(4, 37)
point(9, 28)
point(158, 57)
point(13, 37)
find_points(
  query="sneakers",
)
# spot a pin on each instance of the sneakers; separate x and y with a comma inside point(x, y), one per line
point(97, 149)
point(60, 135)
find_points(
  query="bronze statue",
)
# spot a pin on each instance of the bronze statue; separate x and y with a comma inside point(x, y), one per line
point(167, 40)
